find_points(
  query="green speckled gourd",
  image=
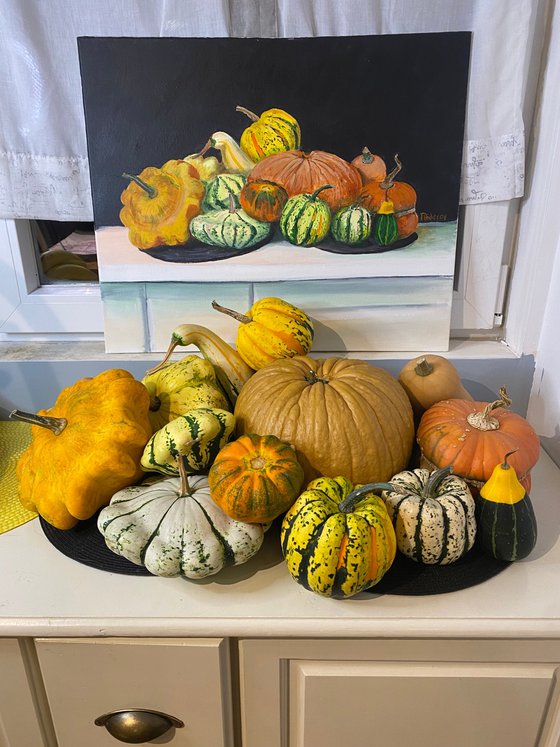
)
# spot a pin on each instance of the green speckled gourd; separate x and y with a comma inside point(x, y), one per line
point(351, 225)
point(306, 219)
point(221, 189)
point(197, 435)
point(230, 229)
point(385, 229)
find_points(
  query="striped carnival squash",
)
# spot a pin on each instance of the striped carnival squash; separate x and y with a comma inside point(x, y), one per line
point(302, 173)
point(221, 190)
point(230, 229)
point(173, 528)
point(351, 225)
point(198, 435)
point(271, 329)
point(306, 218)
point(275, 131)
point(337, 541)
point(433, 515)
point(263, 200)
point(255, 478)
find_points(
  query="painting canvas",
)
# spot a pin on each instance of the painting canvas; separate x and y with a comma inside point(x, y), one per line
point(292, 167)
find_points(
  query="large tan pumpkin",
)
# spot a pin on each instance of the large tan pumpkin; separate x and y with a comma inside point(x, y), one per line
point(344, 417)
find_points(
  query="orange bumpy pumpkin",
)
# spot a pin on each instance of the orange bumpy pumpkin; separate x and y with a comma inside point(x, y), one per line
point(401, 194)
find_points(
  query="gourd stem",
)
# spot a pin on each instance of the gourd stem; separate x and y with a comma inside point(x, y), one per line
point(435, 479)
point(346, 506)
point(312, 378)
point(325, 186)
point(172, 345)
point(505, 464)
point(56, 425)
point(483, 420)
point(152, 192)
point(423, 367)
point(235, 314)
point(184, 486)
point(249, 113)
point(387, 183)
point(232, 208)
point(367, 155)
point(203, 151)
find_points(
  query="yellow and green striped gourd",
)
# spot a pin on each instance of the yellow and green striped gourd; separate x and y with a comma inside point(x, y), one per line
point(306, 219)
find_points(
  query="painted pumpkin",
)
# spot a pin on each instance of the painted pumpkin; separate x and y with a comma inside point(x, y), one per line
point(302, 173)
point(275, 131)
point(271, 329)
point(401, 194)
point(263, 200)
point(173, 528)
point(222, 190)
point(472, 437)
point(342, 416)
point(433, 515)
point(507, 527)
point(351, 225)
point(306, 218)
point(255, 478)
point(385, 229)
point(371, 167)
point(337, 541)
point(230, 229)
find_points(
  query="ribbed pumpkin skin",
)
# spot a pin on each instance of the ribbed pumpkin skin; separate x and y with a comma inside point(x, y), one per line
point(351, 225)
point(263, 200)
point(344, 417)
point(300, 172)
point(221, 189)
point(255, 478)
point(305, 219)
point(335, 553)
point(231, 230)
point(446, 438)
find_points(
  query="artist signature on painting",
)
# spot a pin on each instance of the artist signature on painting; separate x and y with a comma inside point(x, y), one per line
point(432, 217)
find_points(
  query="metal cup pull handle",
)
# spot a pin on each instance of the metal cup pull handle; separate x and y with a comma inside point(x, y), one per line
point(137, 725)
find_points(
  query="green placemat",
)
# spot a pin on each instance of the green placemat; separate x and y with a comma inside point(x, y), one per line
point(14, 439)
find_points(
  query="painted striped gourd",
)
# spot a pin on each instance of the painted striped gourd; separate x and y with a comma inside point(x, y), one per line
point(275, 131)
point(221, 189)
point(351, 225)
point(198, 435)
point(433, 515)
point(507, 527)
point(230, 229)
point(337, 541)
point(385, 229)
point(306, 219)
point(174, 528)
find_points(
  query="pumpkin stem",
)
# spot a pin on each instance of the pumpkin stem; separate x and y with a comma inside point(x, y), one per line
point(230, 312)
point(184, 487)
point(367, 155)
point(484, 420)
point(203, 151)
point(346, 506)
point(56, 425)
point(435, 479)
point(312, 378)
point(423, 367)
point(387, 183)
point(325, 186)
point(249, 113)
point(152, 192)
point(505, 464)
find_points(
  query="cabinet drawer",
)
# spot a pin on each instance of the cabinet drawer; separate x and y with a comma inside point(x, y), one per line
point(186, 679)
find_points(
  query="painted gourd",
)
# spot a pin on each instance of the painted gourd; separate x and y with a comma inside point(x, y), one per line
point(371, 167)
point(234, 158)
point(351, 225)
point(263, 200)
point(275, 131)
point(473, 436)
point(206, 166)
point(198, 435)
point(337, 541)
point(255, 478)
point(302, 173)
point(306, 218)
point(428, 379)
point(433, 515)
point(84, 448)
point(173, 528)
point(179, 387)
point(507, 527)
point(221, 189)
point(401, 194)
point(385, 230)
point(271, 329)
point(230, 229)
point(343, 416)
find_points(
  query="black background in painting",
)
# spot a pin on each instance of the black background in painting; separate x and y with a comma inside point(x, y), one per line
point(149, 100)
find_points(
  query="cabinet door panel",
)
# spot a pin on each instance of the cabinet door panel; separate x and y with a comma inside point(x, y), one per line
point(86, 678)
point(334, 703)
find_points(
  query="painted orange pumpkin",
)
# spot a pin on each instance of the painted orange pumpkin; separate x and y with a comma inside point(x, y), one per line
point(371, 167)
point(255, 478)
point(263, 200)
point(299, 172)
point(401, 194)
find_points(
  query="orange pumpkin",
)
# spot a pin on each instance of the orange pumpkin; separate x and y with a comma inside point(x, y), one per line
point(371, 167)
point(255, 478)
point(263, 200)
point(402, 195)
point(299, 172)
point(473, 437)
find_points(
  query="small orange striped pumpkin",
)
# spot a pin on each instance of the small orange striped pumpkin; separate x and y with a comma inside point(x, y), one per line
point(263, 200)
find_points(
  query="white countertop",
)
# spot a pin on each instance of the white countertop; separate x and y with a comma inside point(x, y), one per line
point(44, 593)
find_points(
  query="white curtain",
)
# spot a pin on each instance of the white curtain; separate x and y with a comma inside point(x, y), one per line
point(43, 153)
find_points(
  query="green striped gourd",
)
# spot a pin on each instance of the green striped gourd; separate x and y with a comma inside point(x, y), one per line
point(351, 225)
point(230, 229)
point(275, 131)
point(306, 219)
point(198, 435)
point(385, 229)
point(337, 541)
point(433, 515)
point(221, 189)
point(507, 527)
